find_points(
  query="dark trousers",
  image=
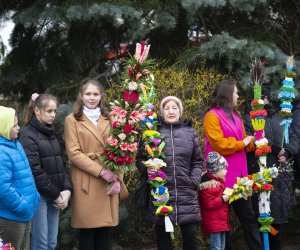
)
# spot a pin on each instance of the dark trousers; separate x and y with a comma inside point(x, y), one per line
point(94, 238)
point(244, 211)
point(275, 240)
point(189, 237)
point(16, 233)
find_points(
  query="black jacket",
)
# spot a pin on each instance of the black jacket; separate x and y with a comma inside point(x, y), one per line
point(184, 168)
point(281, 197)
point(296, 130)
point(296, 121)
point(44, 154)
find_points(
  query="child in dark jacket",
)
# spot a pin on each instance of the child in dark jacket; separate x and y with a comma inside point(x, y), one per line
point(45, 158)
point(213, 201)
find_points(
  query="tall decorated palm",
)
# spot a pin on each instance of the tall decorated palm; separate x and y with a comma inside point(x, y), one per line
point(286, 96)
point(134, 112)
point(263, 178)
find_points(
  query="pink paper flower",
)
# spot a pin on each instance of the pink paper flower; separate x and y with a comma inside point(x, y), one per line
point(138, 75)
point(112, 141)
point(124, 146)
point(137, 116)
point(132, 147)
point(118, 111)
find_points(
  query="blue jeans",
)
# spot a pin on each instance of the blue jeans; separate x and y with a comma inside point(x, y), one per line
point(217, 241)
point(45, 226)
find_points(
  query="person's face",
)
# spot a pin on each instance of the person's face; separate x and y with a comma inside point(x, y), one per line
point(221, 174)
point(15, 130)
point(91, 97)
point(266, 100)
point(235, 97)
point(171, 112)
point(46, 115)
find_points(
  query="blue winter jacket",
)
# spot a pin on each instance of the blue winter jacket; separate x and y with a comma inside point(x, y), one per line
point(18, 194)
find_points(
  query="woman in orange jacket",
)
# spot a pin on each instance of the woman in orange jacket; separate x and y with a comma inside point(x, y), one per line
point(224, 133)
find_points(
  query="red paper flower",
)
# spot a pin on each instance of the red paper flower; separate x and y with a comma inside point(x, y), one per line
point(111, 156)
point(128, 159)
point(267, 187)
point(254, 102)
point(105, 152)
point(255, 187)
point(131, 98)
point(250, 177)
point(257, 113)
point(115, 124)
point(263, 150)
point(130, 72)
point(266, 149)
point(258, 152)
point(120, 160)
point(164, 210)
point(127, 128)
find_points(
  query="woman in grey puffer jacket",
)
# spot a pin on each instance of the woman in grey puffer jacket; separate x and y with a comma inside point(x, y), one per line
point(184, 168)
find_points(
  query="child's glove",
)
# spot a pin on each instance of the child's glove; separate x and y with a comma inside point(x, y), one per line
point(63, 203)
point(58, 200)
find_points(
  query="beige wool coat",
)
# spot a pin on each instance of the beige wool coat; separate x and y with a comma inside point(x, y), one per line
point(90, 205)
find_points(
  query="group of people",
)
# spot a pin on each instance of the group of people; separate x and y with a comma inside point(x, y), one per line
point(228, 154)
point(36, 185)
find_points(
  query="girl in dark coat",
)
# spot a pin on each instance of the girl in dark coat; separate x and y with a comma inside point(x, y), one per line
point(281, 197)
point(184, 167)
point(44, 154)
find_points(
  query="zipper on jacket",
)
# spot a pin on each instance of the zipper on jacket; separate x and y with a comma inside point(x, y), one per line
point(56, 165)
point(173, 155)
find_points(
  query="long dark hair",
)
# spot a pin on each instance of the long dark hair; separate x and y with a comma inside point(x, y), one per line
point(223, 96)
point(40, 102)
point(78, 105)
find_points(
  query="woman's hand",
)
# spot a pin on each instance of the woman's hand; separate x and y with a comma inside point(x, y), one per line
point(115, 188)
point(151, 170)
point(108, 175)
point(281, 156)
point(248, 139)
point(282, 159)
point(225, 197)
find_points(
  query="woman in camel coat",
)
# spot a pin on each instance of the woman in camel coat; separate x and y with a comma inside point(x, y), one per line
point(94, 209)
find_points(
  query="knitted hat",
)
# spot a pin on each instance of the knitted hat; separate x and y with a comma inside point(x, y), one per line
point(215, 162)
point(171, 98)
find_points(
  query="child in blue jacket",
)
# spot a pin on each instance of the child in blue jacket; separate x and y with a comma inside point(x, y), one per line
point(18, 194)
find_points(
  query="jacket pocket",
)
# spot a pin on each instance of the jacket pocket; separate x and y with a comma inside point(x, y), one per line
point(85, 182)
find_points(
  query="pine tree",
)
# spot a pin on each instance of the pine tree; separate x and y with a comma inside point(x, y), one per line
point(56, 44)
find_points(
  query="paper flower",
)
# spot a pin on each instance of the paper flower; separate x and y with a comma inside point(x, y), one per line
point(164, 210)
point(132, 97)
